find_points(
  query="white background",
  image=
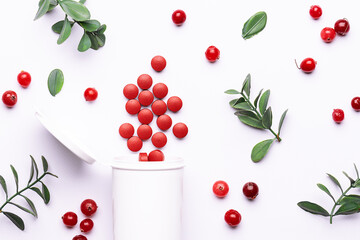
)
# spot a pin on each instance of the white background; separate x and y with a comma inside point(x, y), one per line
point(218, 145)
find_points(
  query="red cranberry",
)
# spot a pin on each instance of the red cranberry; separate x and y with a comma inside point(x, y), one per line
point(220, 189)
point(24, 79)
point(86, 225)
point(342, 27)
point(88, 207)
point(9, 98)
point(90, 94)
point(79, 237)
point(232, 217)
point(250, 190)
point(212, 54)
point(338, 115)
point(315, 11)
point(355, 103)
point(328, 34)
point(70, 219)
point(179, 17)
point(307, 65)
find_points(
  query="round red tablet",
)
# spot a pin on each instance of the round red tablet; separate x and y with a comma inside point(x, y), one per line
point(164, 122)
point(144, 132)
point(126, 130)
point(159, 139)
point(143, 157)
point(133, 106)
point(159, 107)
point(134, 144)
point(160, 90)
point(158, 63)
point(144, 81)
point(156, 156)
point(145, 116)
point(146, 98)
point(174, 104)
point(180, 130)
point(131, 91)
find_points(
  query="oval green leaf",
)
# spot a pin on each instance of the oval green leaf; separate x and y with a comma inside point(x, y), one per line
point(267, 118)
point(31, 204)
point(16, 177)
point(94, 42)
point(261, 149)
point(102, 29)
point(65, 31)
point(326, 190)
point(313, 208)
point(22, 208)
point(43, 8)
point(55, 81)
point(35, 189)
point(242, 105)
point(335, 181)
point(232, 91)
point(254, 25)
point(100, 38)
point(352, 181)
point(247, 85)
point(90, 25)
point(35, 166)
point(348, 208)
point(264, 99)
point(46, 193)
point(257, 98)
point(3, 185)
point(282, 121)
point(252, 122)
point(45, 164)
point(350, 199)
point(248, 113)
point(15, 219)
point(75, 10)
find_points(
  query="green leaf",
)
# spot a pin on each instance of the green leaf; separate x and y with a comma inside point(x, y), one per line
point(313, 208)
point(35, 189)
point(254, 25)
point(356, 170)
point(16, 177)
point(46, 193)
point(247, 85)
point(57, 27)
point(326, 190)
point(45, 164)
point(352, 181)
point(100, 38)
point(252, 122)
point(350, 199)
point(94, 42)
point(43, 8)
point(264, 99)
point(267, 118)
point(3, 185)
point(335, 181)
point(32, 170)
point(75, 10)
point(347, 209)
point(242, 105)
point(261, 149)
point(236, 101)
point(22, 208)
point(82, 1)
point(102, 29)
point(90, 25)
point(257, 98)
point(52, 174)
point(246, 113)
point(55, 81)
point(35, 167)
point(31, 204)
point(15, 219)
point(282, 121)
point(65, 31)
point(232, 91)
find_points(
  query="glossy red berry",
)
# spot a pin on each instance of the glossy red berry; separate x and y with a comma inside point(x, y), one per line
point(88, 207)
point(133, 106)
point(9, 98)
point(232, 217)
point(158, 63)
point(338, 115)
point(131, 91)
point(144, 132)
point(79, 237)
point(156, 156)
point(212, 54)
point(251, 190)
point(174, 104)
point(355, 103)
point(90, 94)
point(342, 27)
point(315, 11)
point(70, 219)
point(134, 144)
point(144, 81)
point(220, 189)
point(328, 34)
point(145, 116)
point(86, 225)
point(160, 90)
point(159, 139)
point(24, 79)
point(164, 122)
point(146, 98)
point(143, 157)
point(126, 130)
point(179, 17)
point(159, 107)
point(180, 130)
point(307, 65)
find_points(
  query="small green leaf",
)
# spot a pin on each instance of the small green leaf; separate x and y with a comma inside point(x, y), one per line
point(252, 122)
point(46, 193)
point(22, 208)
point(3, 185)
point(100, 38)
point(55, 81)
point(57, 27)
point(90, 25)
point(35, 167)
point(75, 10)
point(236, 101)
point(43, 8)
point(246, 113)
point(335, 181)
point(356, 170)
point(94, 42)
point(53, 4)
point(65, 31)
point(267, 118)
point(35, 189)
point(45, 164)
point(16, 177)
point(264, 99)
point(313, 208)
point(242, 105)
point(52, 174)
point(347, 209)
point(326, 190)
point(254, 25)
point(102, 29)
point(247, 85)
point(32, 170)
point(282, 121)
point(352, 181)
point(257, 98)
point(82, 1)
point(31, 204)
point(15, 219)
point(350, 199)
point(261, 149)
point(232, 91)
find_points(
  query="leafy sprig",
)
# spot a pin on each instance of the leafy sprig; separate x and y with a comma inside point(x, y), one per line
point(257, 115)
point(346, 204)
point(32, 184)
point(75, 12)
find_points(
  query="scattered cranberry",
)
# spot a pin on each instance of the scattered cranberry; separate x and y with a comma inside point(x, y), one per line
point(134, 144)
point(145, 116)
point(342, 27)
point(158, 63)
point(143, 157)
point(90, 94)
point(144, 81)
point(88, 207)
point(133, 106)
point(9, 98)
point(70, 219)
point(79, 237)
point(159, 139)
point(355, 103)
point(146, 98)
point(250, 190)
point(232, 217)
point(86, 225)
point(179, 17)
point(24, 79)
point(220, 189)
point(315, 11)
point(164, 122)
point(126, 130)
point(160, 90)
point(144, 132)
point(328, 34)
point(156, 156)
point(212, 54)
point(159, 107)
point(338, 115)
point(131, 91)
point(307, 65)
point(174, 104)
point(180, 130)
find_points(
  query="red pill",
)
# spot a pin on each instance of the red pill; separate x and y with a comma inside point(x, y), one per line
point(126, 130)
point(134, 144)
point(158, 63)
point(144, 132)
point(156, 156)
point(131, 91)
point(160, 90)
point(164, 122)
point(143, 157)
point(146, 98)
point(144, 81)
point(145, 116)
point(159, 107)
point(159, 139)
point(133, 106)
point(180, 130)
point(174, 104)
